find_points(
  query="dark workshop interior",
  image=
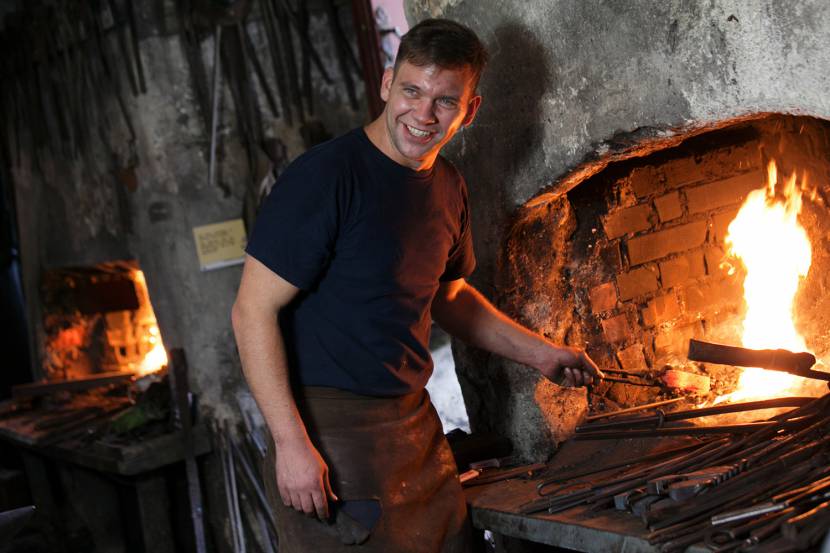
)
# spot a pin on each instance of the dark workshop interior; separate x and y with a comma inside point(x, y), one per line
point(648, 180)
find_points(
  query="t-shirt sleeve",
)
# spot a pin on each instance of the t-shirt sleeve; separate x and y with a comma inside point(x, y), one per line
point(462, 259)
point(296, 227)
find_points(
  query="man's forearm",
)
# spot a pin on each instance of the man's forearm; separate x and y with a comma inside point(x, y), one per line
point(469, 316)
point(265, 365)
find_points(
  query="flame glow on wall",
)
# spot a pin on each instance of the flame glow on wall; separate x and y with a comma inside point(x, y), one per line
point(775, 250)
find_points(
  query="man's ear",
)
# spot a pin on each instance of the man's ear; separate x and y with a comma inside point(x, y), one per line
point(386, 83)
point(472, 109)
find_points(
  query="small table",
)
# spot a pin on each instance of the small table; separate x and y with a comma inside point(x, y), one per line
point(103, 482)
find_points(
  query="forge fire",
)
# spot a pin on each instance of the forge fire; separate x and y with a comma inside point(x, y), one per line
point(100, 319)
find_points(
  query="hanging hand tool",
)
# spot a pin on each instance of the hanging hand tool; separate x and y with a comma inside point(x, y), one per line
point(343, 50)
point(230, 59)
point(111, 80)
point(248, 101)
point(277, 59)
point(214, 112)
point(305, 40)
point(284, 31)
point(139, 66)
point(303, 20)
point(58, 83)
point(258, 71)
point(126, 55)
point(193, 52)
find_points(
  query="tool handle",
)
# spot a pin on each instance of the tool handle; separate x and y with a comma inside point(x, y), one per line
point(774, 359)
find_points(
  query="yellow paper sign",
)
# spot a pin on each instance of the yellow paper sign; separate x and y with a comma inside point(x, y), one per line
point(220, 244)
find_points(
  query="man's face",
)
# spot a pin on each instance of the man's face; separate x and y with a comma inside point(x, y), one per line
point(425, 107)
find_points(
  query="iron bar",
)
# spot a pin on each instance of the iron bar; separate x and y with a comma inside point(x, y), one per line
point(627, 410)
point(696, 413)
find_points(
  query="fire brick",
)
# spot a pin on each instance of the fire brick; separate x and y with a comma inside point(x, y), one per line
point(680, 172)
point(720, 225)
point(616, 329)
point(630, 219)
point(632, 358)
point(609, 254)
point(637, 282)
point(668, 207)
point(679, 270)
point(712, 297)
point(660, 244)
point(660, 310)
point(724, 192)
point(674, 342)
point(714, 259)
point(644, 181)
point(723, 162)
point(603, 297)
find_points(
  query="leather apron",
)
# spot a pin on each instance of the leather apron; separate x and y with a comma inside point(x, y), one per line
point(386, 452)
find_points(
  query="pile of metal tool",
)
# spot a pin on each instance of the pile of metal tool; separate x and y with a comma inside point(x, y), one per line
point(250, 516)
point(757, 487)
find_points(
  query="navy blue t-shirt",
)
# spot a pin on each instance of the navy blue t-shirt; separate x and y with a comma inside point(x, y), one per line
point(367, 241)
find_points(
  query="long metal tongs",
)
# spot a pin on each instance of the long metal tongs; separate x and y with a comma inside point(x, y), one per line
point(630, 378)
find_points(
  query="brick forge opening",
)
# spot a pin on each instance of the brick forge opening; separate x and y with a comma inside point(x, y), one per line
point(98, 320)
point(631, 263)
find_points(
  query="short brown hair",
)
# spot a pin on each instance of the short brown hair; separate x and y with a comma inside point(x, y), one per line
point(444, 43)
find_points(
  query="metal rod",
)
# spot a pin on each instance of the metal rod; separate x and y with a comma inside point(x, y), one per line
point(695, 413)
point(683, 431)
point(217, 90)
point(634, 409)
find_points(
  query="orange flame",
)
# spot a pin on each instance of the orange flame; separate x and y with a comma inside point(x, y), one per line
point(156, 356)
point(775, 250)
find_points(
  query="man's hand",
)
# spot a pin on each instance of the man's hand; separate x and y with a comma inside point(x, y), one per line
point(303, 478)
point(569, 366)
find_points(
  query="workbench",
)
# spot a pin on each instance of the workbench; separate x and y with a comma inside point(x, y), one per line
point(124, 492)
point(495, 507)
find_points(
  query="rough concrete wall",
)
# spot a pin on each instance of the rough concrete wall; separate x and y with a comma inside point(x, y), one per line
point(574, 85)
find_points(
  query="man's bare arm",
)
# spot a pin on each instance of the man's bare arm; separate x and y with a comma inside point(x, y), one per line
point(302, 475)
point(462, 311)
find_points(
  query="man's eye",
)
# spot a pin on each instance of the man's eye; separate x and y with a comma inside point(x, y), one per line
point(410, 91)
point(448, 103)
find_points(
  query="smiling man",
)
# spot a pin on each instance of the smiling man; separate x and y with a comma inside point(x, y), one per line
point(363, 241)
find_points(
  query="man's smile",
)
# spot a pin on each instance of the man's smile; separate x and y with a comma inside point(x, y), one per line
point(418, 133)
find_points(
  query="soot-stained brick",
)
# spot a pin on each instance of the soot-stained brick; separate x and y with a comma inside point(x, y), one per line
point(616, 329)
point(723, 192)
point(661, 309)
point(603, 297)
point(628, 220)
point(668, 207)
point(666, 242)
point(644, 181)
point(632, 358)
point(681, 269)
point(637, 282)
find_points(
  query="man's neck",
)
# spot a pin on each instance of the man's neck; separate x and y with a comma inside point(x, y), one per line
point(379, 136)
